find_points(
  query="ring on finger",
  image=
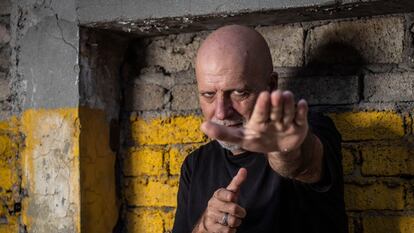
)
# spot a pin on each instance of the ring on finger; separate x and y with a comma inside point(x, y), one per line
point(224, 219)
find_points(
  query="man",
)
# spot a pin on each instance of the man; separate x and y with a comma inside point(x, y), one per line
point(273, 167)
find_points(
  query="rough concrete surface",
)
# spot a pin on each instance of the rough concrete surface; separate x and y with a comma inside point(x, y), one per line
point(323, 90)
point(377, 40)
point(108, 10)
point(175, 52)
point(49, 64)
point(286, 44)
point(389, 87)
point(184, 97)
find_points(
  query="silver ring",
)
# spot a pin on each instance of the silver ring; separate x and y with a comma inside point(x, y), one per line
point(224, 219)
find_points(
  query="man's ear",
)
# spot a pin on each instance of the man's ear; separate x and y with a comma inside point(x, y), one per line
point(273, 81)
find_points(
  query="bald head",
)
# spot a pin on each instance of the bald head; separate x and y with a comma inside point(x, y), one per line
point(236, 49)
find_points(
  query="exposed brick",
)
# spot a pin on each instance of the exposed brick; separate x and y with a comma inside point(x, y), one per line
point(389, 87)
point(145, 97)
point(141, 192)
point(144, 161)
point(149, 220)
point(347, 161)
point(177, 156)
point(323, 90)
point(174, 130)
point(385, 160)
point(376, 40)
point(374, 197)
point(369, 125)
point(388, 224)
point(286, 44)
point(174, 52)
point(184, 97)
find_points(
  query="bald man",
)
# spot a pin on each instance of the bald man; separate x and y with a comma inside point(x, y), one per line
point(273, 167)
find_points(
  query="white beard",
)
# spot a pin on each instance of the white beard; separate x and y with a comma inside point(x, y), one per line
point(234, 148)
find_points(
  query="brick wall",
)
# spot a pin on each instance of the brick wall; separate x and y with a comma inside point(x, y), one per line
point(9, 134)
point(359, 71)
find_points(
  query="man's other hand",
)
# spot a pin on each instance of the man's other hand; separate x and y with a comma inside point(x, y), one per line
point(223, 214)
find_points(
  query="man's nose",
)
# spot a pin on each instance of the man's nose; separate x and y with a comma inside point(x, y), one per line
point(223, 109)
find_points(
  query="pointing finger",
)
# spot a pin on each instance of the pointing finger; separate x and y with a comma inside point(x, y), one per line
point(237, 180)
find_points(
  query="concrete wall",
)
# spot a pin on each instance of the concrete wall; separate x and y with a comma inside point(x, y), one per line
point(10, 138)
point(358, 71)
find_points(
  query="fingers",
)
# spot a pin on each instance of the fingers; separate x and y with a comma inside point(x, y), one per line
point(277, 106)
point(220, 132)
point(216, 216)
point(288, 107)
point(237, 180)
point(301, 117)
point(261, 109)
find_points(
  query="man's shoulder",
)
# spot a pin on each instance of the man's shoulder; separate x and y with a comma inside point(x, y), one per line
point(207, 148)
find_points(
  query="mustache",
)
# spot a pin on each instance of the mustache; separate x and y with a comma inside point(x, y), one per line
point(228, 122)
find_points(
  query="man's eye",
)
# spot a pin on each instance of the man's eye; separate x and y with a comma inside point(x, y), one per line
point(207, 94)
point(240, 93)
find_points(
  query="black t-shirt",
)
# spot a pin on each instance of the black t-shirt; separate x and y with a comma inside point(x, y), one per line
point(273, 203)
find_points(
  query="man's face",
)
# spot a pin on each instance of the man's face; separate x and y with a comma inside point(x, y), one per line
point(228, 92)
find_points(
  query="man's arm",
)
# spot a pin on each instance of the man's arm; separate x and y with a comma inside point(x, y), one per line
point(303, 164)
point(279, 129)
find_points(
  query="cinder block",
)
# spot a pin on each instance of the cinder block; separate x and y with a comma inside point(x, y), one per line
point(174, 52)
point(166, 131)
point(144, 97)
point(155, 193)
point(390, 87)
point(149, 220)
point(286, 44)
point(387, 160)
point(388, 224)
point(184, 97)
point(374, 197)
point(147, 160)
point(347, 161)
point(376, 40)
point(369, 125)
point(323, 90)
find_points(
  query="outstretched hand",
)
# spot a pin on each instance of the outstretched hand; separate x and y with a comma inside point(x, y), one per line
point(276, 125)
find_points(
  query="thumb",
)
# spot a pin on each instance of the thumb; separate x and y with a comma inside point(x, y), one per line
point(237, 180)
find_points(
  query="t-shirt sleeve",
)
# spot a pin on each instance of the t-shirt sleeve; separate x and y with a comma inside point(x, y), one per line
point(181, 224)
point(332, 175)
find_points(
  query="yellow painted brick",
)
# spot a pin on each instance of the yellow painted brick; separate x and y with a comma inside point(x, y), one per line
point(139, 192)
point(374, 197)
point(145, 160)
point(388, 224)
point(384, 160)
point(347, 161)
point(12, 225)
point(161, 131)
point(177, 156)
point(149, 220)
point(369, 125)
